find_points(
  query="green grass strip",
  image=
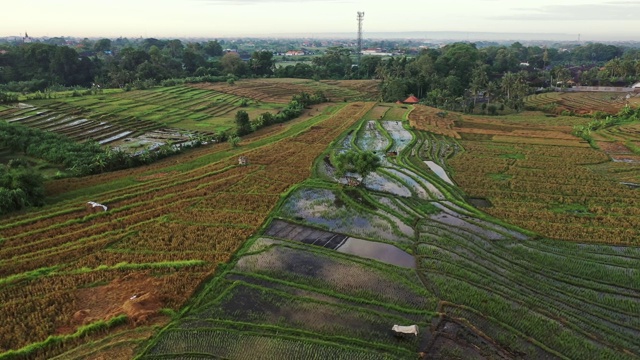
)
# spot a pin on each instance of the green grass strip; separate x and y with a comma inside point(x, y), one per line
point(56, 340)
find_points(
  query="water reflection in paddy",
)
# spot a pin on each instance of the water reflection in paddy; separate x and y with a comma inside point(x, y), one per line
point(439, 171)
point(385, 253)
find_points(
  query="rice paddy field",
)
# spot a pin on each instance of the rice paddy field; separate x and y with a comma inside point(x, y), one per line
point(498, 237)
point(280, 90)
point(70, 276)
point(140, 119)
point(582, 102)
point(478, 287)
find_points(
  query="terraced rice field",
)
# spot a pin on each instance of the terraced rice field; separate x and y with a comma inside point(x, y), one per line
point(167, 227)
point(579, 102)
point(138, 120)
point(279, 90)
point(140, 117)
point(545, 269)
point(481, 287)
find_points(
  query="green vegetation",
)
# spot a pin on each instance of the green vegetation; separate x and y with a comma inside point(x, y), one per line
point(279, 258)
point(362, 163)
point(503, 282)
point(20, 187)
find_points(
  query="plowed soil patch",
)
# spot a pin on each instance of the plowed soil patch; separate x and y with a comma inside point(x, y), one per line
point(138, 295)
point(613, 147)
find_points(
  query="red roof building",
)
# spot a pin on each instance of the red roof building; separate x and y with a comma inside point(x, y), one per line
point(411, 100)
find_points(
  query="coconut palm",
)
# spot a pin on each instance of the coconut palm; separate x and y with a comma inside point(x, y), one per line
point(479, 80)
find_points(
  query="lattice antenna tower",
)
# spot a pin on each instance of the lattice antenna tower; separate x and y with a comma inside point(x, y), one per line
point(360, 19)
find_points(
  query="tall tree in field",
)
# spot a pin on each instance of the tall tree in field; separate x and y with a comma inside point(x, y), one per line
point(232, 64)
point(192, 60)
point(479, 80)
point(457, 60)
point(359, 162)
point(213, 48)
point(262, 63)
point(562, 74)
point(243, 124)
point(514, 89)
point(335, 63)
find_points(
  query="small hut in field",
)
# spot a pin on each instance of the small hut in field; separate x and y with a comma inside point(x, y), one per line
point(411, 100)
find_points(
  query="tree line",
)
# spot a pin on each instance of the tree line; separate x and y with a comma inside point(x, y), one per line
point(459, 76)
point(79, 159)
point(147, 62)
point(40, 66)
point(295, 107)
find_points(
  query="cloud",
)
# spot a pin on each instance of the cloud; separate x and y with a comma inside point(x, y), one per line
point(610, 10)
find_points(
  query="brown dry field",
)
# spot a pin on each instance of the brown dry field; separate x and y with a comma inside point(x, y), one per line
point(281, 90)
point(583, 103)
point(613, 147)
point(455, 125)
point(147, 223)
point(378, 112)
point(532, 171)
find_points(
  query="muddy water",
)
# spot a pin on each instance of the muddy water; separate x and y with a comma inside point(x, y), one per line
point(455, 212)
point(379, 182)
point(378, 251)
point(434, 193)
point(439, 171)
point(411, 183)
point(448, 219)
point(401, 137)
point(371, 139)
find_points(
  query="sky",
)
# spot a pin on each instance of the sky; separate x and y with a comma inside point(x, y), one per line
point(586, 20)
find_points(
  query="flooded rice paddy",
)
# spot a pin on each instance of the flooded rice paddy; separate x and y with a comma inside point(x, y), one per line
point(439, 171)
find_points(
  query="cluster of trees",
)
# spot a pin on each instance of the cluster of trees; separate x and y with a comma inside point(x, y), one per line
point(20, 187)
point(38, 66)
point(79, 159)
point(442, 75)
point(48, 146)
point(456, 77)
point(296, 106)
point(360, 162)
point(616, 72)
point(459, 75)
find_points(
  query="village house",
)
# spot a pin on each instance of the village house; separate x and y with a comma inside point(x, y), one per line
point(294, 53)
point(411, 100)
point(376, 52)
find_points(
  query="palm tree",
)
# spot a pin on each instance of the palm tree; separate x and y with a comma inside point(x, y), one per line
point(492, 90)
point(479, 80)
point(507, 84)
point(614, 67)
point(562, 75)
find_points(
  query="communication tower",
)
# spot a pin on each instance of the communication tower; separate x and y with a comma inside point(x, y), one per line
point(360, 19)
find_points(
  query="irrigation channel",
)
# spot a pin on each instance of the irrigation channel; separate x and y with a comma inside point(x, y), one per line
point(337, 266)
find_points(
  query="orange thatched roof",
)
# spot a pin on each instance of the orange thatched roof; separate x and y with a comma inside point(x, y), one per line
point(399, 102)
point(411, 100)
